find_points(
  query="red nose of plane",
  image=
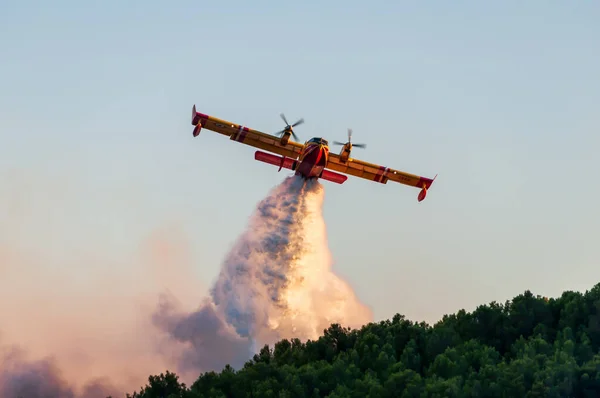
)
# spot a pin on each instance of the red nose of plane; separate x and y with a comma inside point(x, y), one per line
point(322, 155)
point(316, 155)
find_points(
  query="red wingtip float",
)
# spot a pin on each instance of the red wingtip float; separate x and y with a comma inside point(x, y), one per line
point(311, 159)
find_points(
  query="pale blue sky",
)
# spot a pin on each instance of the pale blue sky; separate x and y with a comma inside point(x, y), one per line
point(501, 99)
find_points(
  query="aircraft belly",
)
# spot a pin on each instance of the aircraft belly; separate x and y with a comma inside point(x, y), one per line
point(313, 163)
point(316, 171)
point(304, 169)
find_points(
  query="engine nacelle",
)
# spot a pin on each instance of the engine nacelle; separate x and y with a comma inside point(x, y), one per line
point(285, 138)
point(345, 153)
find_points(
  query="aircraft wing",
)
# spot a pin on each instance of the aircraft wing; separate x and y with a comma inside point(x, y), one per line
point(245, 135)
point(377, 173)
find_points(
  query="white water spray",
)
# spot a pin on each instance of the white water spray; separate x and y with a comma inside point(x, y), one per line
point(275, 283)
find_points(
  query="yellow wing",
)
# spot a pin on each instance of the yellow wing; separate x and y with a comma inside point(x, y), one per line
point(237, 132)
point(377, 173)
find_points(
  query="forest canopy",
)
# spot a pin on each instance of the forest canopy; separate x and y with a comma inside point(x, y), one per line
point(530, 346)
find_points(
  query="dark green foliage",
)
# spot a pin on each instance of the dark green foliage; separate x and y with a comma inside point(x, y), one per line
point(528, 347)
point(163, 386)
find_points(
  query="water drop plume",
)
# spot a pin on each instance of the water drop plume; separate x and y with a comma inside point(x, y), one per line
point(276, 282)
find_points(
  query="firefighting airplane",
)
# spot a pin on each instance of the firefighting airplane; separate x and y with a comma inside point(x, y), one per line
point(311, 159)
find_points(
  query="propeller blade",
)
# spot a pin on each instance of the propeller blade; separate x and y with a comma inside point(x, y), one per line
point(359, 145)
point(284, 119)
point(289, 127)
point(338, 143)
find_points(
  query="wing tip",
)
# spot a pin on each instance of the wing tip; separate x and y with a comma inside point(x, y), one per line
point(194, 116)
point(426, 184)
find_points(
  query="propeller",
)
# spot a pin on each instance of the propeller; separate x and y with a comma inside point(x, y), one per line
point(350, 141)
point(289, 127)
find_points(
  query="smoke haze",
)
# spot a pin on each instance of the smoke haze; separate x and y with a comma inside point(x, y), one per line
point(60, 338)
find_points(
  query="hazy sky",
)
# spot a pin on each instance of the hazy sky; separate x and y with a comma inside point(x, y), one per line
point(501, 100)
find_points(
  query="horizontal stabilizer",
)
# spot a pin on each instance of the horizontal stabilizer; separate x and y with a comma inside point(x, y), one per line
point(334, 177)
point(275, 160)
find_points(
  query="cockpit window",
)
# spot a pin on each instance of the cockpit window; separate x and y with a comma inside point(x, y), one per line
point(319, 140)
